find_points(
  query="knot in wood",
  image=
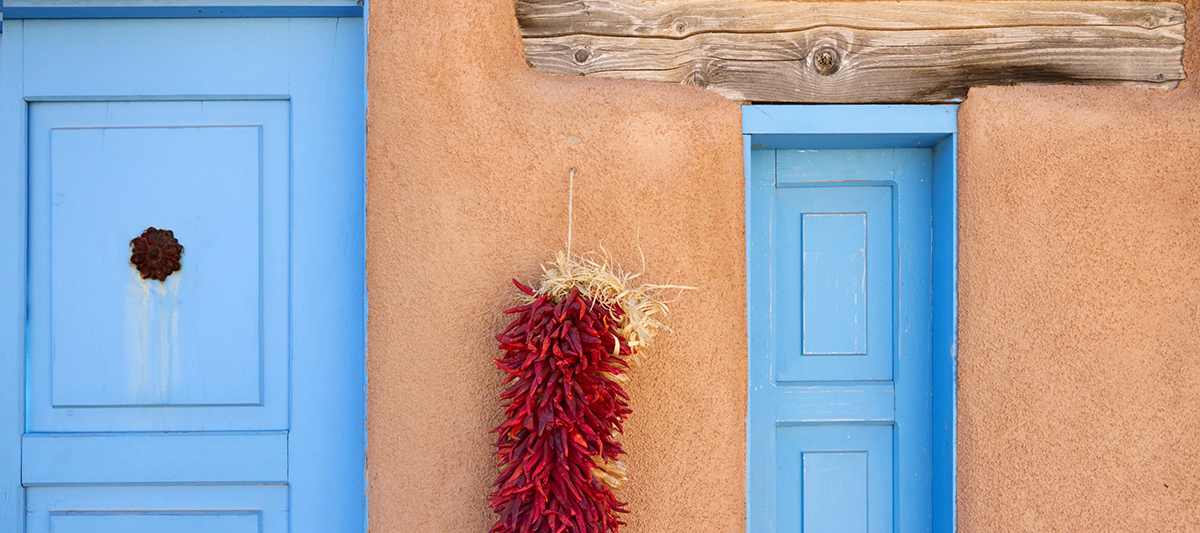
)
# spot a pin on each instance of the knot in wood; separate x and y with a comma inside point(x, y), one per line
point(698, 77)
point(582, 55)
point(1150, 22)
point(826, 60)
point(681, 27)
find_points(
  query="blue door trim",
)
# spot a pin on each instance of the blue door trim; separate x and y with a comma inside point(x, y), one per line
point(12, 279)
point(100, 9)
point(770, 127)
point(176, 11)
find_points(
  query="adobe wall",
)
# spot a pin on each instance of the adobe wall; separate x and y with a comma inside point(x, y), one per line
point(1080, 209)
point(1079, 308)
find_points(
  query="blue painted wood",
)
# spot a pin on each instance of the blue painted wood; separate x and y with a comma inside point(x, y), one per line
point(833, 292)
point(230, 522)
point(366, 24)
point(863, 402)
point(170, 458)
point(77, 9)
point(186, 88)
point(834, 487)
point(208, 349)
point(761, 404)
point(778, 407)
point(913, 429)
point(8, 4)
point(945, 333)
point(879, 121)
point(835, 479)
point(800, 271)
point(328, 322)
point(847, 141)
point(12, 278)
point(830, 167)
point(180, 3)
point(167, 11)
point(118, 60)
point(80, 176)
point(143, 506)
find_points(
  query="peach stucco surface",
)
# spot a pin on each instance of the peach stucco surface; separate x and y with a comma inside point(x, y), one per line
point(469, 156)
point(1079, 308)
point(1079, 379)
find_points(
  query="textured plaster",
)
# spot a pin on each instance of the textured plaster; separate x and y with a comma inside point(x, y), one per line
point(468, 159)
point(1079, 290)
point(1080, 209)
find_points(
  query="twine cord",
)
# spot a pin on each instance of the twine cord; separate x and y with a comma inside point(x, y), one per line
point(570, 207)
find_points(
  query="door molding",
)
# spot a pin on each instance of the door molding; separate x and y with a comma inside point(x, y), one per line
point(13, 229)
point(100, 9)
point(856, 127)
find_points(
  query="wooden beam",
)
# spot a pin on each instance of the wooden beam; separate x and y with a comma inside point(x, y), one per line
point(857, 52)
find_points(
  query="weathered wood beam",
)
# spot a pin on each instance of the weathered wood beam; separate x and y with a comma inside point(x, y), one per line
point(857, 52)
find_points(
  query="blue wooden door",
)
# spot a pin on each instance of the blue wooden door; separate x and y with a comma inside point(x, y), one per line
point(229, 395)
point(841, 395)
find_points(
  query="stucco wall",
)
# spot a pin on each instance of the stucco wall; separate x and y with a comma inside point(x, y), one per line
point(468, 159)
point(1079, 378)
point(1079, 291)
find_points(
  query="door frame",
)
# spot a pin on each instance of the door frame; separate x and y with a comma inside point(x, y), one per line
point(769, 127)
point(13, 227)
point(90, 9)
point(14, 193)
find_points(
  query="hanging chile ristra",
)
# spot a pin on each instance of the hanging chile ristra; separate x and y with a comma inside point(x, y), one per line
point(566, 355)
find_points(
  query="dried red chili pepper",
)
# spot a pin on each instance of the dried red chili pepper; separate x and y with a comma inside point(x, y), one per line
point(562, 413)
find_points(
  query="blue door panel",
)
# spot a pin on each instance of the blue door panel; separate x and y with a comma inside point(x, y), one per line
point(833, 258)
point(228, 397)
point(157, 509)
point(838, 479)
point(208, 348)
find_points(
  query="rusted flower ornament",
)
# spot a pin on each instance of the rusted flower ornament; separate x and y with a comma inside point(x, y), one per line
point(156, 253)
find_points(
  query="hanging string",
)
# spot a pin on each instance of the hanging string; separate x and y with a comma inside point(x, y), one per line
point(570, 207)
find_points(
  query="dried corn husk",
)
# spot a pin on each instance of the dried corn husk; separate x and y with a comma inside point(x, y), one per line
point(601, 280)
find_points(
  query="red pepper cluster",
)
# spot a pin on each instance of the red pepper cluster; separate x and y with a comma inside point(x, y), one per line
point(562, 410)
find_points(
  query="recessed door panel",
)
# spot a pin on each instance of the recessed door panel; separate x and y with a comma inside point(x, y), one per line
point(835, 479)
point(119, 339)
point(241, 522)
point(835, 270)
point(833, 288)
point(204, 349)
point(158, 509)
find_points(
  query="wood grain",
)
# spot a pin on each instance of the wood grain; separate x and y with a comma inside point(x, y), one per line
point(869, 52)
